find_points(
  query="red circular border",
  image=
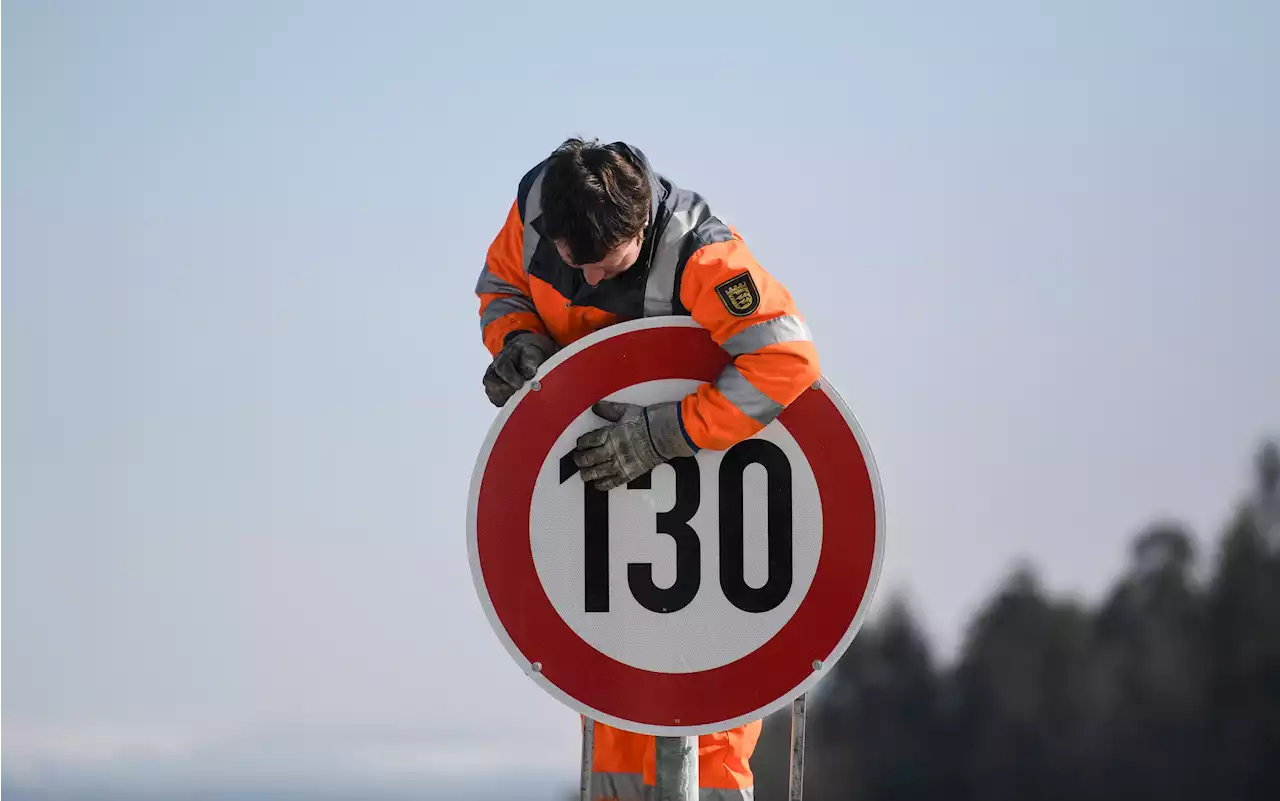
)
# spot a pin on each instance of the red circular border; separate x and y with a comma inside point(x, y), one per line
point(599, 681)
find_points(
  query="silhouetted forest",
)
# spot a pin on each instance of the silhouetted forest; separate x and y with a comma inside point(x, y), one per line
point(1169, 689)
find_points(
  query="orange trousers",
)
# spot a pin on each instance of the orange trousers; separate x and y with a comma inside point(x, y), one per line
point(622, 766)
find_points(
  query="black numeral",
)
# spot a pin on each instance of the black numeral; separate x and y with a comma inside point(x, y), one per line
point(779, 519)
point(595, 540)
point(675, 524)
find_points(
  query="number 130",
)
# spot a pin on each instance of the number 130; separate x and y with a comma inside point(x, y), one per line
point(675, 524)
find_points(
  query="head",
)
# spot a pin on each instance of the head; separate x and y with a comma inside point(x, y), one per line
point(595, 207)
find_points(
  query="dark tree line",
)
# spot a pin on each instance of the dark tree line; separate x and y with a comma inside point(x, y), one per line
point(1169, 689)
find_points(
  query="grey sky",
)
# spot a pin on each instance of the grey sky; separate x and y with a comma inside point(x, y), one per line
point(1037, 247)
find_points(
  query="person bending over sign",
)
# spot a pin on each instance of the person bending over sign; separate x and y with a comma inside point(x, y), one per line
point(595, 237)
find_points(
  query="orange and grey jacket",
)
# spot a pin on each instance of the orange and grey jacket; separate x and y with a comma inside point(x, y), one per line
point(691, 264)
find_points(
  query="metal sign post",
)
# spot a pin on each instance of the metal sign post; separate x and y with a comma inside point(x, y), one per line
point(795, 774)
point(676, 768)
point(588, 755)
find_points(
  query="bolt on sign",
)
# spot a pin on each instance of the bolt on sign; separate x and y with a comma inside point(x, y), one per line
point(706, 594)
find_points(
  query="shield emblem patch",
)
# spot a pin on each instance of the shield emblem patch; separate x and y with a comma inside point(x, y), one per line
point(739, 295)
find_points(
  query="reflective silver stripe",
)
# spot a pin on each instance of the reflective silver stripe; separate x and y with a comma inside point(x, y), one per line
point(501, 306)
point(660, 289)
point(532, 210)
point(743, 394)
point(619, 786)
point(631, 787)
point(488, 283)
point(787, 328)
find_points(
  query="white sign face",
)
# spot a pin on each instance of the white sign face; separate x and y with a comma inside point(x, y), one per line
point(633, 602)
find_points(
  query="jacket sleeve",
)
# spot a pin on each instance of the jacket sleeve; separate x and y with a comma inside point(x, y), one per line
point(506, 304)
point(753, 317)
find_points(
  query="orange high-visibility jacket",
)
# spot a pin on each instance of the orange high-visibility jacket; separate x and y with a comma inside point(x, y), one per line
point(693, 264)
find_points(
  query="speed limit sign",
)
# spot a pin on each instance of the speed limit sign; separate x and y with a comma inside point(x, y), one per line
point(699, 597)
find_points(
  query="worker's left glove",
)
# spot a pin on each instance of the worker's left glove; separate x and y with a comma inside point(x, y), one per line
point(640, 439)
point(518, 361)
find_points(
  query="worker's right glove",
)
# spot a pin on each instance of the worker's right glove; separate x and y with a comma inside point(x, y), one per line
point(517, 362)
point(640, 439)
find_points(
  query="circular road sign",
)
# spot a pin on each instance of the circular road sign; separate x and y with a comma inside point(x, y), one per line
point(702, 596)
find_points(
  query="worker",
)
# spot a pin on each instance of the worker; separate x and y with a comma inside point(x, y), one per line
point(594, 237)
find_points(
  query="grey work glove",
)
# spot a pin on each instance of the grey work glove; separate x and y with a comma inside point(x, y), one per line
point(640, 439)
point(516, 363)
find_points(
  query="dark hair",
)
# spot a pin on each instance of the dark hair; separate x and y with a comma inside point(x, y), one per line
point(594, 198)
